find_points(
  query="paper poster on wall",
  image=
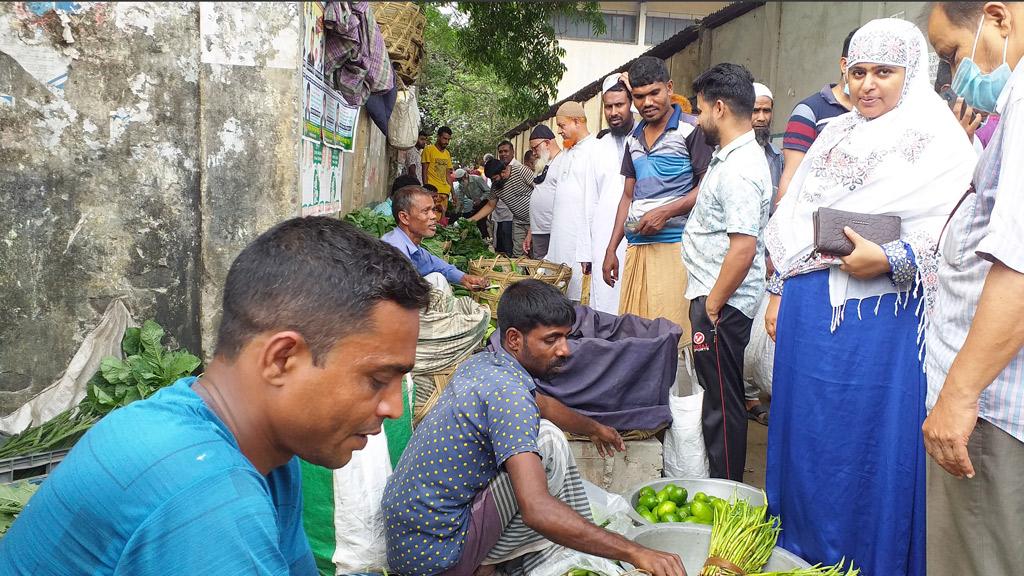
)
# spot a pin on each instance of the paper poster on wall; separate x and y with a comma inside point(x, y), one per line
point(321, 178)
point(314, 100)
point(313, 37)
point(340, 119)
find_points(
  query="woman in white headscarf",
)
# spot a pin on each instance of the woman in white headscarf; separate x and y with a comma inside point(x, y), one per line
point(845, 455)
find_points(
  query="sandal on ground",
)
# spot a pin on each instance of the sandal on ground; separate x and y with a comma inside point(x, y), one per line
point(758, 413)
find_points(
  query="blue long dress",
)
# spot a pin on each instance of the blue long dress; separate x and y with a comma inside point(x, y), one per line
point(846, 462)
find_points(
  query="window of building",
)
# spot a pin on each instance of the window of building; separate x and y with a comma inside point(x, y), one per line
point(618, 28)
point(660, 28)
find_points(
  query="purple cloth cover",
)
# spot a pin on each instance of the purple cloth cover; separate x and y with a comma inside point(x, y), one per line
point(620, 369)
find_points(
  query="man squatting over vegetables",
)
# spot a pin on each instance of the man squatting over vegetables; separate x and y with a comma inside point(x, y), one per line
point(487, 478)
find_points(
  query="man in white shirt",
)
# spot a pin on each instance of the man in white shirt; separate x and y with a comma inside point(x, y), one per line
point(548, 173)
point(602, 200)
point(570, 238)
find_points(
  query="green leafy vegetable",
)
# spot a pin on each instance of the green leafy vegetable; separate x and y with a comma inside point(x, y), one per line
point(369, 221)
point(146, 368)
point(13, 498)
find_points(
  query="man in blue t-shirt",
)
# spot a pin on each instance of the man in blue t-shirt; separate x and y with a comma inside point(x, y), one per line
point(319, 324)
point(485, 481)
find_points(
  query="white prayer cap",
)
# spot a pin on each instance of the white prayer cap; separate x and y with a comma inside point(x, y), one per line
point(610, 81)
point(460, 173)
point(762, 90)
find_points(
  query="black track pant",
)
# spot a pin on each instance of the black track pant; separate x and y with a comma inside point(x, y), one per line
point(718, 361)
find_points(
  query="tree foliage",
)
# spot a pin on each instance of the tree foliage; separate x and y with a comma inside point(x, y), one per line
point(517, 40)
point(455, 94)
point(490, 66)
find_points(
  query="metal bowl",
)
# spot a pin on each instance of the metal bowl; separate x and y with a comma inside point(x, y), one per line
point(716, 487)
point(691, 543)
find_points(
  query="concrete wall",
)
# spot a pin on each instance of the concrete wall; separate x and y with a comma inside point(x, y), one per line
point(586, 59)
point(142, 145)
point(793, 47)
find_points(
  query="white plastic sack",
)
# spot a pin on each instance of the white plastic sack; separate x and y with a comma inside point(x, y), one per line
point(566, 559)
point(68, 390)
point(610, 511)
point(404, 124)
point(358, 514)
point(685, 454)
point(759, 357)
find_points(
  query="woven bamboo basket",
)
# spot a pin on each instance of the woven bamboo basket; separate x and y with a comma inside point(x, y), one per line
point(504, 272)
point(440, 381)
point(402, 24)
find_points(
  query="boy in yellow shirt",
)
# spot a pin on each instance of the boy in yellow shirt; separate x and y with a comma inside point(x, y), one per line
point(437, 165)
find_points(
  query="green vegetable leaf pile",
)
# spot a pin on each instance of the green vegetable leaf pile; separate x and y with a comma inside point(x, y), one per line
point(147, 367)
point(369, 221)
point(13, 498)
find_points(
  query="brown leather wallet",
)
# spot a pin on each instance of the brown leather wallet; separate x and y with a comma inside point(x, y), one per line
point(829, 237)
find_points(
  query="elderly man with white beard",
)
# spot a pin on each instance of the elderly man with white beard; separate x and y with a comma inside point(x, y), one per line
point(602, 199)
point(548, 169)
point(570, 237)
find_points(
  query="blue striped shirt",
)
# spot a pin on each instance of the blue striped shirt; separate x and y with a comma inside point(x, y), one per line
point(664, 172)
point(988, 226)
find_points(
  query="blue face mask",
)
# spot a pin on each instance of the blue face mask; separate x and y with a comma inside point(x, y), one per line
point(981, 91)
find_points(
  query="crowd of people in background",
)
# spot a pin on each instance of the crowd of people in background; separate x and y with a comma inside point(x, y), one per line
point(685, 208)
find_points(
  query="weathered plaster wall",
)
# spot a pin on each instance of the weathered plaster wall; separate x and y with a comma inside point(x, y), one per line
point(98, 181)
point(248, 104)
point(142, 145)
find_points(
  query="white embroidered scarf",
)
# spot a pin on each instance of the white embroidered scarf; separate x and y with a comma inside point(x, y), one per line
point(914, 161)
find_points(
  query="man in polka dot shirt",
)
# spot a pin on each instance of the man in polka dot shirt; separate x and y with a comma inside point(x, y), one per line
point(484, 480)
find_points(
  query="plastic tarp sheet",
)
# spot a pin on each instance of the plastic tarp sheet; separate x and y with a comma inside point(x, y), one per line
point(620, 369)
point(68, 390)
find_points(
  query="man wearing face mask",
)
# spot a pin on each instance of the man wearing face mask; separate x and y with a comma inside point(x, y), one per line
point(974, 432)
point(548, 171)
point(570, 239)
point(811, 116)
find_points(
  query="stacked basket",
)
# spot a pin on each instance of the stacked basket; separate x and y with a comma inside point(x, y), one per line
point(503, 272)
point(402, 24)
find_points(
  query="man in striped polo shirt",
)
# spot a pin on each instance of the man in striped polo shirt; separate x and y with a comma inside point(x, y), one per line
point(810, 117)
point(513, 185)
point(665, 157)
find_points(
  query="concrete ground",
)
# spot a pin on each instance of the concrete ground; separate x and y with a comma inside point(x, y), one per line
point(757, 444)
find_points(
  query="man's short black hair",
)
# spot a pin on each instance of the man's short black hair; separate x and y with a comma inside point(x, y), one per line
point(528, 304)
point(962, 14)
point(730, 83)
point(317, 275)
point(647, 70)
point(528, 156)
point(402, 199)
point(509, 144)
point(444, 130)
point(424, 132)
point(403, 181)
point(846, 43)
point(430, 188)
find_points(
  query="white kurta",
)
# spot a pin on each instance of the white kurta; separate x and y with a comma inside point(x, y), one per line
point(602, 203)
point(568, 217)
